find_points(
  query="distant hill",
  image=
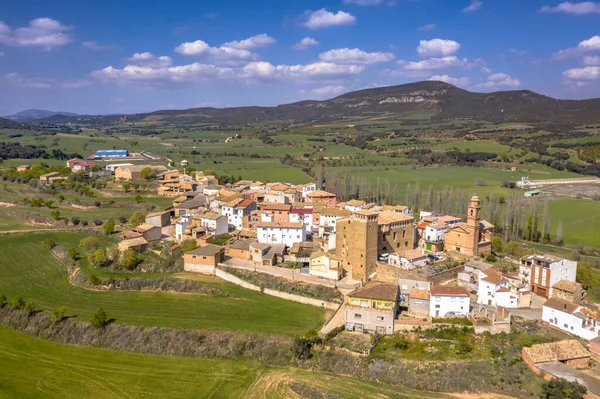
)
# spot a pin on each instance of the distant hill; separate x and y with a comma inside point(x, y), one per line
point(30, 115)
point(443, 100)
point(8, 124)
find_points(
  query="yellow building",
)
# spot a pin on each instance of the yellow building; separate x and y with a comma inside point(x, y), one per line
point(372, 308)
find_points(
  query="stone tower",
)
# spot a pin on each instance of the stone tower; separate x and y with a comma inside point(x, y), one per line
point(473, 223)
point(356, 243)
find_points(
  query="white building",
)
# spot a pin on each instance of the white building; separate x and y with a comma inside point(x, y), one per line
point(235, 212)
point(302, 215)
point(494, 290)
point(276, 197)
point(280, 233)
point(214, 223)
point(570, 317)
point(448, 301)
point(325, 265)
point(543, 271)
point(408, 259)
point(354, 205)
point(435, 232)
point(182, 223)
point(305, 189)
point(328, 218)
point(111, 168)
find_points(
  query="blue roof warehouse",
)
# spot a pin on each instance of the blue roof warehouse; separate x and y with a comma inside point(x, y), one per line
point(111, 153)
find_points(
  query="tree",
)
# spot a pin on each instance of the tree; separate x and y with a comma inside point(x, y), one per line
point(126, 186)
point(58, 313)
point(97, 221)
point(93, 279)
point(138, 198)
point(55, 214)
point(29, 307)
point(559, 388)
point(497, 244)
point(109, 227)
point(130, 260)
point(491, 258)
point(98, 257)
point(75, 220)
point(73, 253)
point(137, 218)
point(17, 302)
point(89, 244)
point(188, 245)
point(147, 173)
point(49, 243)
point(99, 319)
point(302, 348)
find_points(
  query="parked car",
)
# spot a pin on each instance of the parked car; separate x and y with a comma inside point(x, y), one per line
point(384, 257)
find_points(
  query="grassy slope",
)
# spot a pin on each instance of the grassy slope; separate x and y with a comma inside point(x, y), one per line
point(34, 368)
point(31, 271)
point(580, 221)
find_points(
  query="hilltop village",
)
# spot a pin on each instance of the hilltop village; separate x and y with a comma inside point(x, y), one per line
point(397, 270)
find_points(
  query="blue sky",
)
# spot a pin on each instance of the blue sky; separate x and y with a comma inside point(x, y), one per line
point(136, 56)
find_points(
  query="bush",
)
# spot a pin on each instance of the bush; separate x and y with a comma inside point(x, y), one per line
point(73, 254)
point(93, 279)
point(122, 220)
point(137, 218)
point(97, 221)
point(3, 301)
point(99, 319)
point(129, 260)
point(559, 388)
point(98, 257)
point(29, 307)
point(491, 258)
point(75, 220)
point(302, 348)
point(188, 245)
point(109, 227)
point(89, 244)
point(49, 243)
point(17, 302)
point(58, 313)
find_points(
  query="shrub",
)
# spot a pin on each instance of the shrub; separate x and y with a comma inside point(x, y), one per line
point(188, 245)
point(129, 260)
point(93, 279)
point(73, 254)
point(17, 302)
point(99, 319)
point(122, 220)
point(137, 218)
point(559, 388)
point(3, 301)
point(97, 221)
point(98, 257)
point(58, 313)
point(491, 258)
point(84, 222)
point(302, 348)
point(75, 220)
point(29, 307)
point(89, 244)
point(109, 227)
point(49, 243)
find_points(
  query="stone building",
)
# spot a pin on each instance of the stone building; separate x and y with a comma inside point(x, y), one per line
point(396, 232)
point(356, 243)
point(473, 238)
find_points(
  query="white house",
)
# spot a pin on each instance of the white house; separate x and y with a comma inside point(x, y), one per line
point(111, 168)
point(305, 189)
point(408, 259)
point(280, 233)
point(276, 197)
point(325, 265)
point(570, 317)
point(494, 290)
point(236, 210)
point(328, 219)
point(302, 215)
point(214, 223)
point(435, 232)
point(543, 271)
point(354, 205)
point(448, 301)
point(182, 223)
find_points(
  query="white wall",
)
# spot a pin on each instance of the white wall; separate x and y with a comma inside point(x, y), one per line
point(280, 235)
point(439, 306)
point(567, 322)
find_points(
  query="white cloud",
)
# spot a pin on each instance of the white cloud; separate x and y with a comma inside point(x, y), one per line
point(474, 6)
point(517, 51)
point(20, 80)
point(486, 70)
point(585, 73)
point(92, 45)
point(43, 32)
point(252, 72)
point(437, 63)
point(591, 44)
point(586, 7)
point(498, 81)
point(220, 55)
point(147, 59)
point(261, 40)
point(591, 60)
point(305, 43)
point(354, 56)
point(323, 19)
point(453, 81)
point(427, 27)
point(324, 92)
point(437, 48)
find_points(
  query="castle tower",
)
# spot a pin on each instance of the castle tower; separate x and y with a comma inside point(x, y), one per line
point(473, 223)
point(356, 243)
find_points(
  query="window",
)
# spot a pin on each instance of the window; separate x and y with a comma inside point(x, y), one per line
point(394, 235)
point(388, 304)
point(566, 326)
point(379, 318)
point(437, 306)
point(403, 233)
point(357, 315)
point(453, 299)
point(364, 304)
point(438, 299)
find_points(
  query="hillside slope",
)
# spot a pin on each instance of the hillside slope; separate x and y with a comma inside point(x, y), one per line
point(443, 100)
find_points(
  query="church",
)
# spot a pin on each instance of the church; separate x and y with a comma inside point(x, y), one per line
point(473, 238)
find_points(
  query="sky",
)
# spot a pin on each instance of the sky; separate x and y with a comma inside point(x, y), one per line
point(137, 56)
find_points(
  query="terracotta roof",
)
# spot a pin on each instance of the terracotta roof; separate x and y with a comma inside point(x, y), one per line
point(144, 227)
point(448, 218)
point(387, 217)
point(207, 250)
point(502, 289)
point(133, 242)
point(245, 203)
point(335, 212)
point(566, 285)
point(274, 206)
point(411, 254)
point(242, 244)
point(355, 203)
point(318, 254)
point(486, 224)
point(285, 225)
point(376, 290)
point(394, 208)
point(417, 293)
point(446, 290)
point(319, 194)
point(280, 187)
point(492, 276)
point(561, 305)
point(233, 203)
point(211, 215)
point(557, 351)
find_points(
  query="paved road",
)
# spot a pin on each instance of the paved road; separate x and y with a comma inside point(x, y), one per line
point(288, 273)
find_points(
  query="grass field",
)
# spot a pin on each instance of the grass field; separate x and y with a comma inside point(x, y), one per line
point(580, 221)
point(33, 273)
point(476, 146)
point(33, 368)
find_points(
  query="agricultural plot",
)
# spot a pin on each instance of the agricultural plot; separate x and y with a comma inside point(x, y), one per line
point(476, 146)
point(34, 368)
point(580, 221)
point(33, 273)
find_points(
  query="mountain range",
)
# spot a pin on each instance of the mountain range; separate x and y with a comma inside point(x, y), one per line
point(441, 100)
point(31, 115)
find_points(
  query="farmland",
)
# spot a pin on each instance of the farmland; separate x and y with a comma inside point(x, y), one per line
point(33, 273)
point(35, 368)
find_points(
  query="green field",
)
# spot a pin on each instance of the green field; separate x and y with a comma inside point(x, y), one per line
point(33, 368)
point(580, 221)
point(33, 273)
point(476, 146)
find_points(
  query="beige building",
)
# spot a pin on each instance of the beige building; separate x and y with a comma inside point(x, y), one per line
point(356, 244)
point(372, 308)
point(473, 238)
point(396, 232)
point(133, 172)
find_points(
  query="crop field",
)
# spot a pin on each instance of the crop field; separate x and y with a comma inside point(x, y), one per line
point(580, 220)
point(31, 271)
point(476, 146)
point(34, 368)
